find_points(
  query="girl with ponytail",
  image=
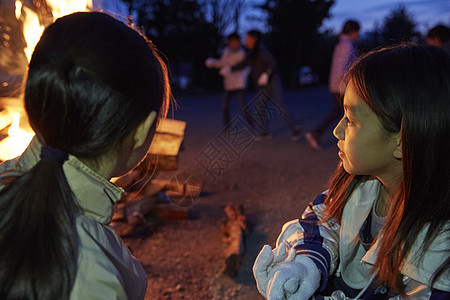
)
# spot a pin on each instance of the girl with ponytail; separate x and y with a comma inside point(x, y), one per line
point(95, 91)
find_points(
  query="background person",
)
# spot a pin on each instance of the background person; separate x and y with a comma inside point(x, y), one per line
point(343, 56)
point(234, 83)
point(439, 36)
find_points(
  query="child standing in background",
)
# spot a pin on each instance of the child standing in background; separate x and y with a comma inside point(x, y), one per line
point(233, 83)
point(382, 230)
point(343, 56)
point(94, 93)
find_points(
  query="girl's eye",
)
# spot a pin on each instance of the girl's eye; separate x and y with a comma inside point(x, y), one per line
point(348, 120)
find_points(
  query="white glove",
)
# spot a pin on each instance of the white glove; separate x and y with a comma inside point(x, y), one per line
point(297, 280)
point(263, 79)
point(209, 62)
point(265, 263)
point(225, 70)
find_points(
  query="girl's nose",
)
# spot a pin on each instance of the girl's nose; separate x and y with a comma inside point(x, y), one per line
point(338, 131)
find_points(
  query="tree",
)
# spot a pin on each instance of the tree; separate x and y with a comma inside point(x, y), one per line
point(239, 7)
point(399, 26)
point(294, 34)
point(180, 29)
point(225, 14)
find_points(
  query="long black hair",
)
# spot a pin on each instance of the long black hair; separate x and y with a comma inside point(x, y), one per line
point(408, 88)
point(92, 80)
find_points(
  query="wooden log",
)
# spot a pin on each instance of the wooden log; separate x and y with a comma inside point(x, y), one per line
point(147, 169)
point(167, 162)
point(144, 209)
point(234, 232)
point(168, 211)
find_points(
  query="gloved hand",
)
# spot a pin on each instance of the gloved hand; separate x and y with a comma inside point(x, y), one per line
point(265, 263)
point(263, 79)
point(209, 62)
point(225, 70)
point(294, 280)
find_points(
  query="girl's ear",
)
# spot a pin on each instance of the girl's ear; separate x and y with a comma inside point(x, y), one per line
point(143, 129)
point(398, 149)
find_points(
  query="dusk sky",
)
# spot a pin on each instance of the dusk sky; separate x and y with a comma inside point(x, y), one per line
point(425, 13)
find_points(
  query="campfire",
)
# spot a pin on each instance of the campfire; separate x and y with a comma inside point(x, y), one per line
point(17, 140)
point(21, 26)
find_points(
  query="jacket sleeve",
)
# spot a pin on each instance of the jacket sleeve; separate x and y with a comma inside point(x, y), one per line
point(268, 61)
point(221, 62)
point(417, 290)
point(241, 65)
point(319, 241)
point(422, 271)
point(106, 268)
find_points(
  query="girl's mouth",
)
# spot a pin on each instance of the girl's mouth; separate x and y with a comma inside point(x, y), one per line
point(340, 152)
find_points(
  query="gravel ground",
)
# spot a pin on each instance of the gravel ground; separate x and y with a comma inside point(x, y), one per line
point(273, 180)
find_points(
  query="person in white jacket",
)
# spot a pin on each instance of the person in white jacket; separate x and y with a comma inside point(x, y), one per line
point(343, 56)
point(234, 83)
point(382, 230)
point(94, 104)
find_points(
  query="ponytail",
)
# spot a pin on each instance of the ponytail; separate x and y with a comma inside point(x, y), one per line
point(38, 240)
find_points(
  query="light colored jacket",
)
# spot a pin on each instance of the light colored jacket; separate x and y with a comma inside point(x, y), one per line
point(232, 80)
point(343, 56)
point(106, 268)
point(336, 249)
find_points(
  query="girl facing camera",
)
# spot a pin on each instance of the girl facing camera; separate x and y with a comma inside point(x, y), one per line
point(382, 229)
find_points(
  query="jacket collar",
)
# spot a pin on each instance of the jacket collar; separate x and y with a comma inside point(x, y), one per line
point(95, 195)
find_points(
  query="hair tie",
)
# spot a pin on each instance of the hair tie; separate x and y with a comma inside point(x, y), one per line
point(54, 154)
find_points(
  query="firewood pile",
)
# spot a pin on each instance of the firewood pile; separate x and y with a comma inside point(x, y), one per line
point(149, 200)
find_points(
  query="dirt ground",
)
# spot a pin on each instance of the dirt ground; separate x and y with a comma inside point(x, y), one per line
point(273, 180)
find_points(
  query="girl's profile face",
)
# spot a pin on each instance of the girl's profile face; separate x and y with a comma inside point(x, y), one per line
point(366, 148)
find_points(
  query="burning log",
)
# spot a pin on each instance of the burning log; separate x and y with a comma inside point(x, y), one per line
point(234, 230)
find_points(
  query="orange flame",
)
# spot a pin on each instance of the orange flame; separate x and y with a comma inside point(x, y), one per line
point(19, 138)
